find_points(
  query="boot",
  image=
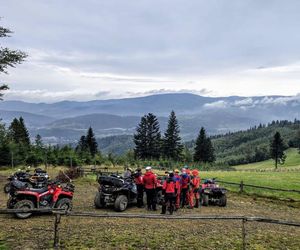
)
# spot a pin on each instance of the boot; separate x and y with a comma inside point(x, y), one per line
point(197, 203)
point(163, 209)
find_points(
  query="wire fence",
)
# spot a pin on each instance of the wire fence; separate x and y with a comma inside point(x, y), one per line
point(58, 213)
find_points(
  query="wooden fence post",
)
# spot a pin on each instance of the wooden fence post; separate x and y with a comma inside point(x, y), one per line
point(244, 233)
point(56, 235)
point(241, 187)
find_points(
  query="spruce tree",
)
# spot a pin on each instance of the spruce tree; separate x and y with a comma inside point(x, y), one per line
point(153, 137)
point(147, 138)
point(24, 132)
point(204, 151)
point(140, 139)
point(91, 142)
point(298, 140)
point(172, 146)
point(277, 148)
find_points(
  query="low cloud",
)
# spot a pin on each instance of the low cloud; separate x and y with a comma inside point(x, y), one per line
point(216, 105)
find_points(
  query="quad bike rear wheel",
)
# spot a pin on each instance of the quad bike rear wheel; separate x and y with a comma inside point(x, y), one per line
point(6, 188)
point(205, 200)
point(98, 202)
point(121, 203)
point(64, 203)
point(23, 204)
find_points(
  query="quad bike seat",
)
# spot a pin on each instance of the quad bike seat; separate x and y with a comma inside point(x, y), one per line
point(38, 190)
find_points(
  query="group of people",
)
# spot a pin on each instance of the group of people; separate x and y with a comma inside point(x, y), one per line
point(179, 189)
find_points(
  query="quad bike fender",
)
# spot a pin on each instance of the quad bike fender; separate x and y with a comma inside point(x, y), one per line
point(62, 194)
point(22, 195)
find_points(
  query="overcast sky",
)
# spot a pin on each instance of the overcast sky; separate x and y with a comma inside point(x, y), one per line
point(92, 49)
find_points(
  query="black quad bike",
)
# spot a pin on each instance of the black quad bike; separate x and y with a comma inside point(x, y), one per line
point(115, 191)
point(37, 180)
point(211, 193)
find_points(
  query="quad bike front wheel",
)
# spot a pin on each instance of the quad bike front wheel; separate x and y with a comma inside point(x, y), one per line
point(98, 201)
point(121, 203)
point(64, 203)
point(24, 205)
point(223, 201)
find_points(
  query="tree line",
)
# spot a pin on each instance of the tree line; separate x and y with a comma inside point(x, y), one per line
point(151, 145)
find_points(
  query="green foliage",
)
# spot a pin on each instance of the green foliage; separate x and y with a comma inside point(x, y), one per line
point(172, 146)
point(277, 148)
point(252, 145)
point(204, 151)
point(8, 57)
point(147, 138)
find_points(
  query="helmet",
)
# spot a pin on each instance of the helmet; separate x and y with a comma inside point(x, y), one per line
point(148, 168)
point(176, 170)
point(195, 172)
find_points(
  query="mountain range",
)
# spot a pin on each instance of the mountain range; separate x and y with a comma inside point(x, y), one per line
point(66, 121)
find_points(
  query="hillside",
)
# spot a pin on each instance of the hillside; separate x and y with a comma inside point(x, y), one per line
point(218, 115)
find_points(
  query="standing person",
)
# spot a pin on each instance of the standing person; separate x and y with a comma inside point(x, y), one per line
point(184, 181)
point(149, 181)
point(177, 178)
point(169, 189)
point(194, 189)
point(127, 173)
point(138, 179)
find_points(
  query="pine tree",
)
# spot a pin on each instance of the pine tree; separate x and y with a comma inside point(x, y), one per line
point(18, 132)
point(91, 142)
point(8, 58)
point(82, 145)
point(298, 140)
point(277, 148)
point(172, 146)
point(204, 151)
point(25, 139)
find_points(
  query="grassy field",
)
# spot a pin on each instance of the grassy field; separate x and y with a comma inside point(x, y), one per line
point(97, 233)
point(292, 161)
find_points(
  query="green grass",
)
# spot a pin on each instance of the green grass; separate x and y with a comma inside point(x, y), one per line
point(292, 161)
point(283, 180)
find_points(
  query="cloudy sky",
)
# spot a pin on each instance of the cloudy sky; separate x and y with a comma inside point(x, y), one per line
point(92, 49)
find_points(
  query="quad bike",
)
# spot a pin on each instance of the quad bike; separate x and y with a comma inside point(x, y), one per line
point(37, 180)
point(115, 191)
point(51, 196)
point(211, 193)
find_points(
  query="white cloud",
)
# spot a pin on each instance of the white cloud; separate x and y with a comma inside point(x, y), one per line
point(216, 105)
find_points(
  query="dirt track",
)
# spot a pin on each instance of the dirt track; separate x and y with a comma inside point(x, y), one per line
point(153, 234)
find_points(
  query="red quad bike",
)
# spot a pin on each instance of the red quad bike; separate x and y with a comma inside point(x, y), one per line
point(52, 196)
point(211, 193)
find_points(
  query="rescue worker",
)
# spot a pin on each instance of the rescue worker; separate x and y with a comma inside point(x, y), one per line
point(149, 181)
point(177, 178)
point(138, 179)
point(184, 181)
point(194, 189)
point(170, 187)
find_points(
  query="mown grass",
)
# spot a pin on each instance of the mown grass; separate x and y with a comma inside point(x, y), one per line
point(292, 161)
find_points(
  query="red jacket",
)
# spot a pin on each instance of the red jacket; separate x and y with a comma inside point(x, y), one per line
point(195, 182)
point(149, 180)
point(138, 180)
point(171, 186)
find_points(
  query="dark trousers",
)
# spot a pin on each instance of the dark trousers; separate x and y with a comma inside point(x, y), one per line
point(151, 199)
point(184, 192)
point(170, 202)
point(140, 195)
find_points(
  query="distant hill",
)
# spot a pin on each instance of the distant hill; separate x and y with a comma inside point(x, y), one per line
point(65, 122)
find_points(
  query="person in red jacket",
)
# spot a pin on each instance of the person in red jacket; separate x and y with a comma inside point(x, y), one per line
point(138, 179)
point(177, 178)
point(184, 182)
point(194, 189)
point(149, 181)
point(170, 188)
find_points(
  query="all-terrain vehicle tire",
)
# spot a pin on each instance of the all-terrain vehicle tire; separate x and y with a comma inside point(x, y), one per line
point(121, 203)
point(6, 188)
point(9, 203)
point(223, 201)
point(98, 202)
point(64, 203)
point(205, 200)
point(23, 204)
